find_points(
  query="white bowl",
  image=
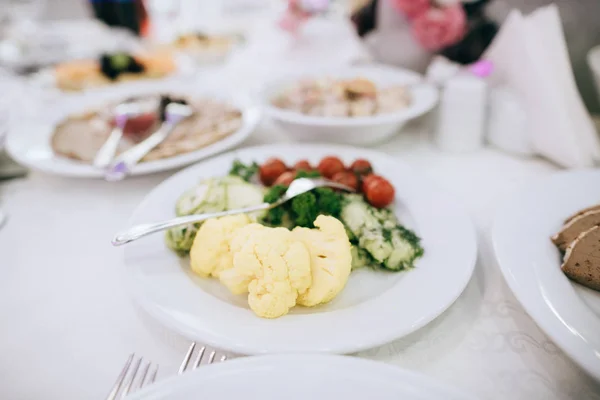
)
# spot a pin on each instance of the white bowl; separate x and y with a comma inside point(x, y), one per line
point(352, 130)
point(594, 63)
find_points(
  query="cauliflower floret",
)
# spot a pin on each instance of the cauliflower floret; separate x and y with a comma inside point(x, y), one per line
point(235, 279)
point(271, 266)
point(210, 253)
point(331, 259)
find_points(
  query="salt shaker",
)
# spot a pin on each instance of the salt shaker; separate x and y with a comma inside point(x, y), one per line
point(462, 110)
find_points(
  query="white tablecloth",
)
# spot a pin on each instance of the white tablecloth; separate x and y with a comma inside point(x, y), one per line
point(68, 323)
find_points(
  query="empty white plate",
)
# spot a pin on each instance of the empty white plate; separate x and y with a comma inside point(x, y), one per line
point(299, 377)
point(568, 312)
point(374, 308)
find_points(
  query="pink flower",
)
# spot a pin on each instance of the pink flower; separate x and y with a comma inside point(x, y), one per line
point(412, 8)
point(289, 23)
point(293, 18)
point(440, 27)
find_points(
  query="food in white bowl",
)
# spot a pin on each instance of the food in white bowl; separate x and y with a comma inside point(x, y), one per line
point(358, 97)
point(302, 252)
point(358, 105)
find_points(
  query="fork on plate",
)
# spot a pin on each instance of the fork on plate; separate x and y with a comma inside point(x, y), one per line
point(128, 381)
point(296, 188)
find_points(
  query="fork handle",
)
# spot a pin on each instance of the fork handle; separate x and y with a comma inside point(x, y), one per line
point(142, 230)
point(122, 165)
point(108, 150)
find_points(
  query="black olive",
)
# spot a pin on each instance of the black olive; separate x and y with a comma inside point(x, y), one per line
point(112, 65)
point(165, 100)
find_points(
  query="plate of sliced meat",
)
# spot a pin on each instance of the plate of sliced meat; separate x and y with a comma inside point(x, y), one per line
point(547, 243)
point(67, 139)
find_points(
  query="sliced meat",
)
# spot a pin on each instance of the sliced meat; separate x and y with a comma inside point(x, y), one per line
point(80, 137)
point(577, 225)
point(578, 213)
point(582, 259)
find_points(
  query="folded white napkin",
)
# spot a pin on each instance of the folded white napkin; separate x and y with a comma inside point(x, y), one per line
point(530, 58)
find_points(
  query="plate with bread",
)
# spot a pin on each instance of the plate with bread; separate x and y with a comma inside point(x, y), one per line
point(547, 243)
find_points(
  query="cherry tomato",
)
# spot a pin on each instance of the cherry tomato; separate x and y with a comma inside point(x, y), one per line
point(329, 166)
point(379, 192)
point(361, 167)
point(270, 171)
point(302, 165)
point(366, 180)
point(285, 179)
point(346, 178)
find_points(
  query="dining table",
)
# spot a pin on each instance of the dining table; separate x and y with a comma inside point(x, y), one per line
point(69, 321)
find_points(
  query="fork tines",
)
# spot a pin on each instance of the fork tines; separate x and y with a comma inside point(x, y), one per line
point(131, 379)
point(198, 359)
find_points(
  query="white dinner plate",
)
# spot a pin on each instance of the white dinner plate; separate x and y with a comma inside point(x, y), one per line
point(300, 377)
point(28, 141)
point(568, 312)
point(374, 308)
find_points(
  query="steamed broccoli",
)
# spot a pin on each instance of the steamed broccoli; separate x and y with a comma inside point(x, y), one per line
point(329, 202)
point(274, 194)
point(303, 209)
point(275, 215)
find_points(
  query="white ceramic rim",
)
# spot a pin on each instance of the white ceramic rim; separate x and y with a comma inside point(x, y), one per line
point(450, 248)
point(424, 97)
point(353, 367)
point(55, 164)
point(535, 288)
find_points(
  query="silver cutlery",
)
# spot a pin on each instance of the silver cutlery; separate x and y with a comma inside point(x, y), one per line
point(186, 366)
point(122, 113)
point(122, 165)
point(129, 380)
point(297, 187)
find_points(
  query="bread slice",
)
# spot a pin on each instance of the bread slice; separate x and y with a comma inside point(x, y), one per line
point(582, 259)
point(578, 213)
point(571, 230)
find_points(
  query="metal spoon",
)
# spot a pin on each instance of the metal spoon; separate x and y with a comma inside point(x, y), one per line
point(122, 113)
point(299, 186)
point(122, 165)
